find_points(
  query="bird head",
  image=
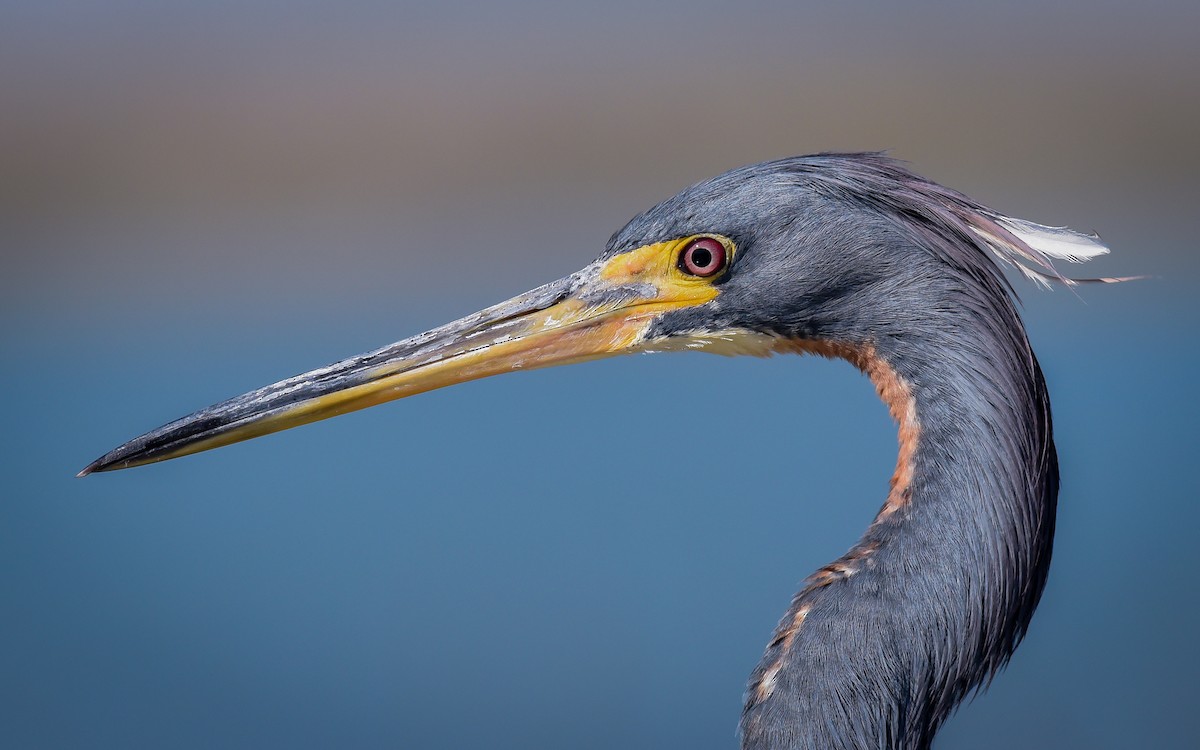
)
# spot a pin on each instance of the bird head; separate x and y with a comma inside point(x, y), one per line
point(849, 249)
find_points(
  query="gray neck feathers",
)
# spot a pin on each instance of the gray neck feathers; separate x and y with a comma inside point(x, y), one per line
point(882, 644)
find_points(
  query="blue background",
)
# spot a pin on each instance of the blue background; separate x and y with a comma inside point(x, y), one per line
point(198, 200)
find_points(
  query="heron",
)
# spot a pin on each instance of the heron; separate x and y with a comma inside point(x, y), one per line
point(851, 256)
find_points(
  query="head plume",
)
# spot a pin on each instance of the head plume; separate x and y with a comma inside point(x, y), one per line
point(1029, 247)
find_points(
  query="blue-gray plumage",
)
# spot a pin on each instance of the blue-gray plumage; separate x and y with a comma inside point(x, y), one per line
point(846, 255)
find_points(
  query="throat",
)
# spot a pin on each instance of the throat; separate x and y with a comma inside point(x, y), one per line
point(880, 645)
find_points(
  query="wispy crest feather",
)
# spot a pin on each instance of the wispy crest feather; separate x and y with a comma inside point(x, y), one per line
point(1031, 248)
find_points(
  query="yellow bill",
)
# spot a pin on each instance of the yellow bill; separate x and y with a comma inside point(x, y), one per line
point(606, 309)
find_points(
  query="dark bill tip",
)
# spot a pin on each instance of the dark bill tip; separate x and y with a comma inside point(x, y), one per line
point(93, 466)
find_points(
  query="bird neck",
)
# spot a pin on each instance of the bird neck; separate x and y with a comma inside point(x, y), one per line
point(880, 645)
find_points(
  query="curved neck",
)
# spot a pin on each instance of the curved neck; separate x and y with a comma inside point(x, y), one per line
point(881, 644)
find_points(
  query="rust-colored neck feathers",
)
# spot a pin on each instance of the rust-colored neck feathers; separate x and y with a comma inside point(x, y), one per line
point(894, 392)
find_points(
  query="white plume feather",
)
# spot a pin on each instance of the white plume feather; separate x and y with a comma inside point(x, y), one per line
point(1057, 242)
point(1032, 248)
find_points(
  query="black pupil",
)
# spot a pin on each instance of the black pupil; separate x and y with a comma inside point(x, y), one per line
point(702, 257)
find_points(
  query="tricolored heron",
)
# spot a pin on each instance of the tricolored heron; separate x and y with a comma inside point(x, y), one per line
point(842, 255)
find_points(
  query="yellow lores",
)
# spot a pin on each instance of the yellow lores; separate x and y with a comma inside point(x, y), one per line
point(660, 265)
point(604, 310)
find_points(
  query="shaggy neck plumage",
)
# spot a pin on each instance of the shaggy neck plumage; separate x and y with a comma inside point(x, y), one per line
point(881, 645)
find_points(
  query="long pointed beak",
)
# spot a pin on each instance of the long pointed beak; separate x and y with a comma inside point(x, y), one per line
point(597, 312)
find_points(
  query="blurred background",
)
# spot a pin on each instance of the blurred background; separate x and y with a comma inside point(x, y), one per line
point(198, 199)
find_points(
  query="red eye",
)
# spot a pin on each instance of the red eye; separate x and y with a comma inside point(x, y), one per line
point(703, 256)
